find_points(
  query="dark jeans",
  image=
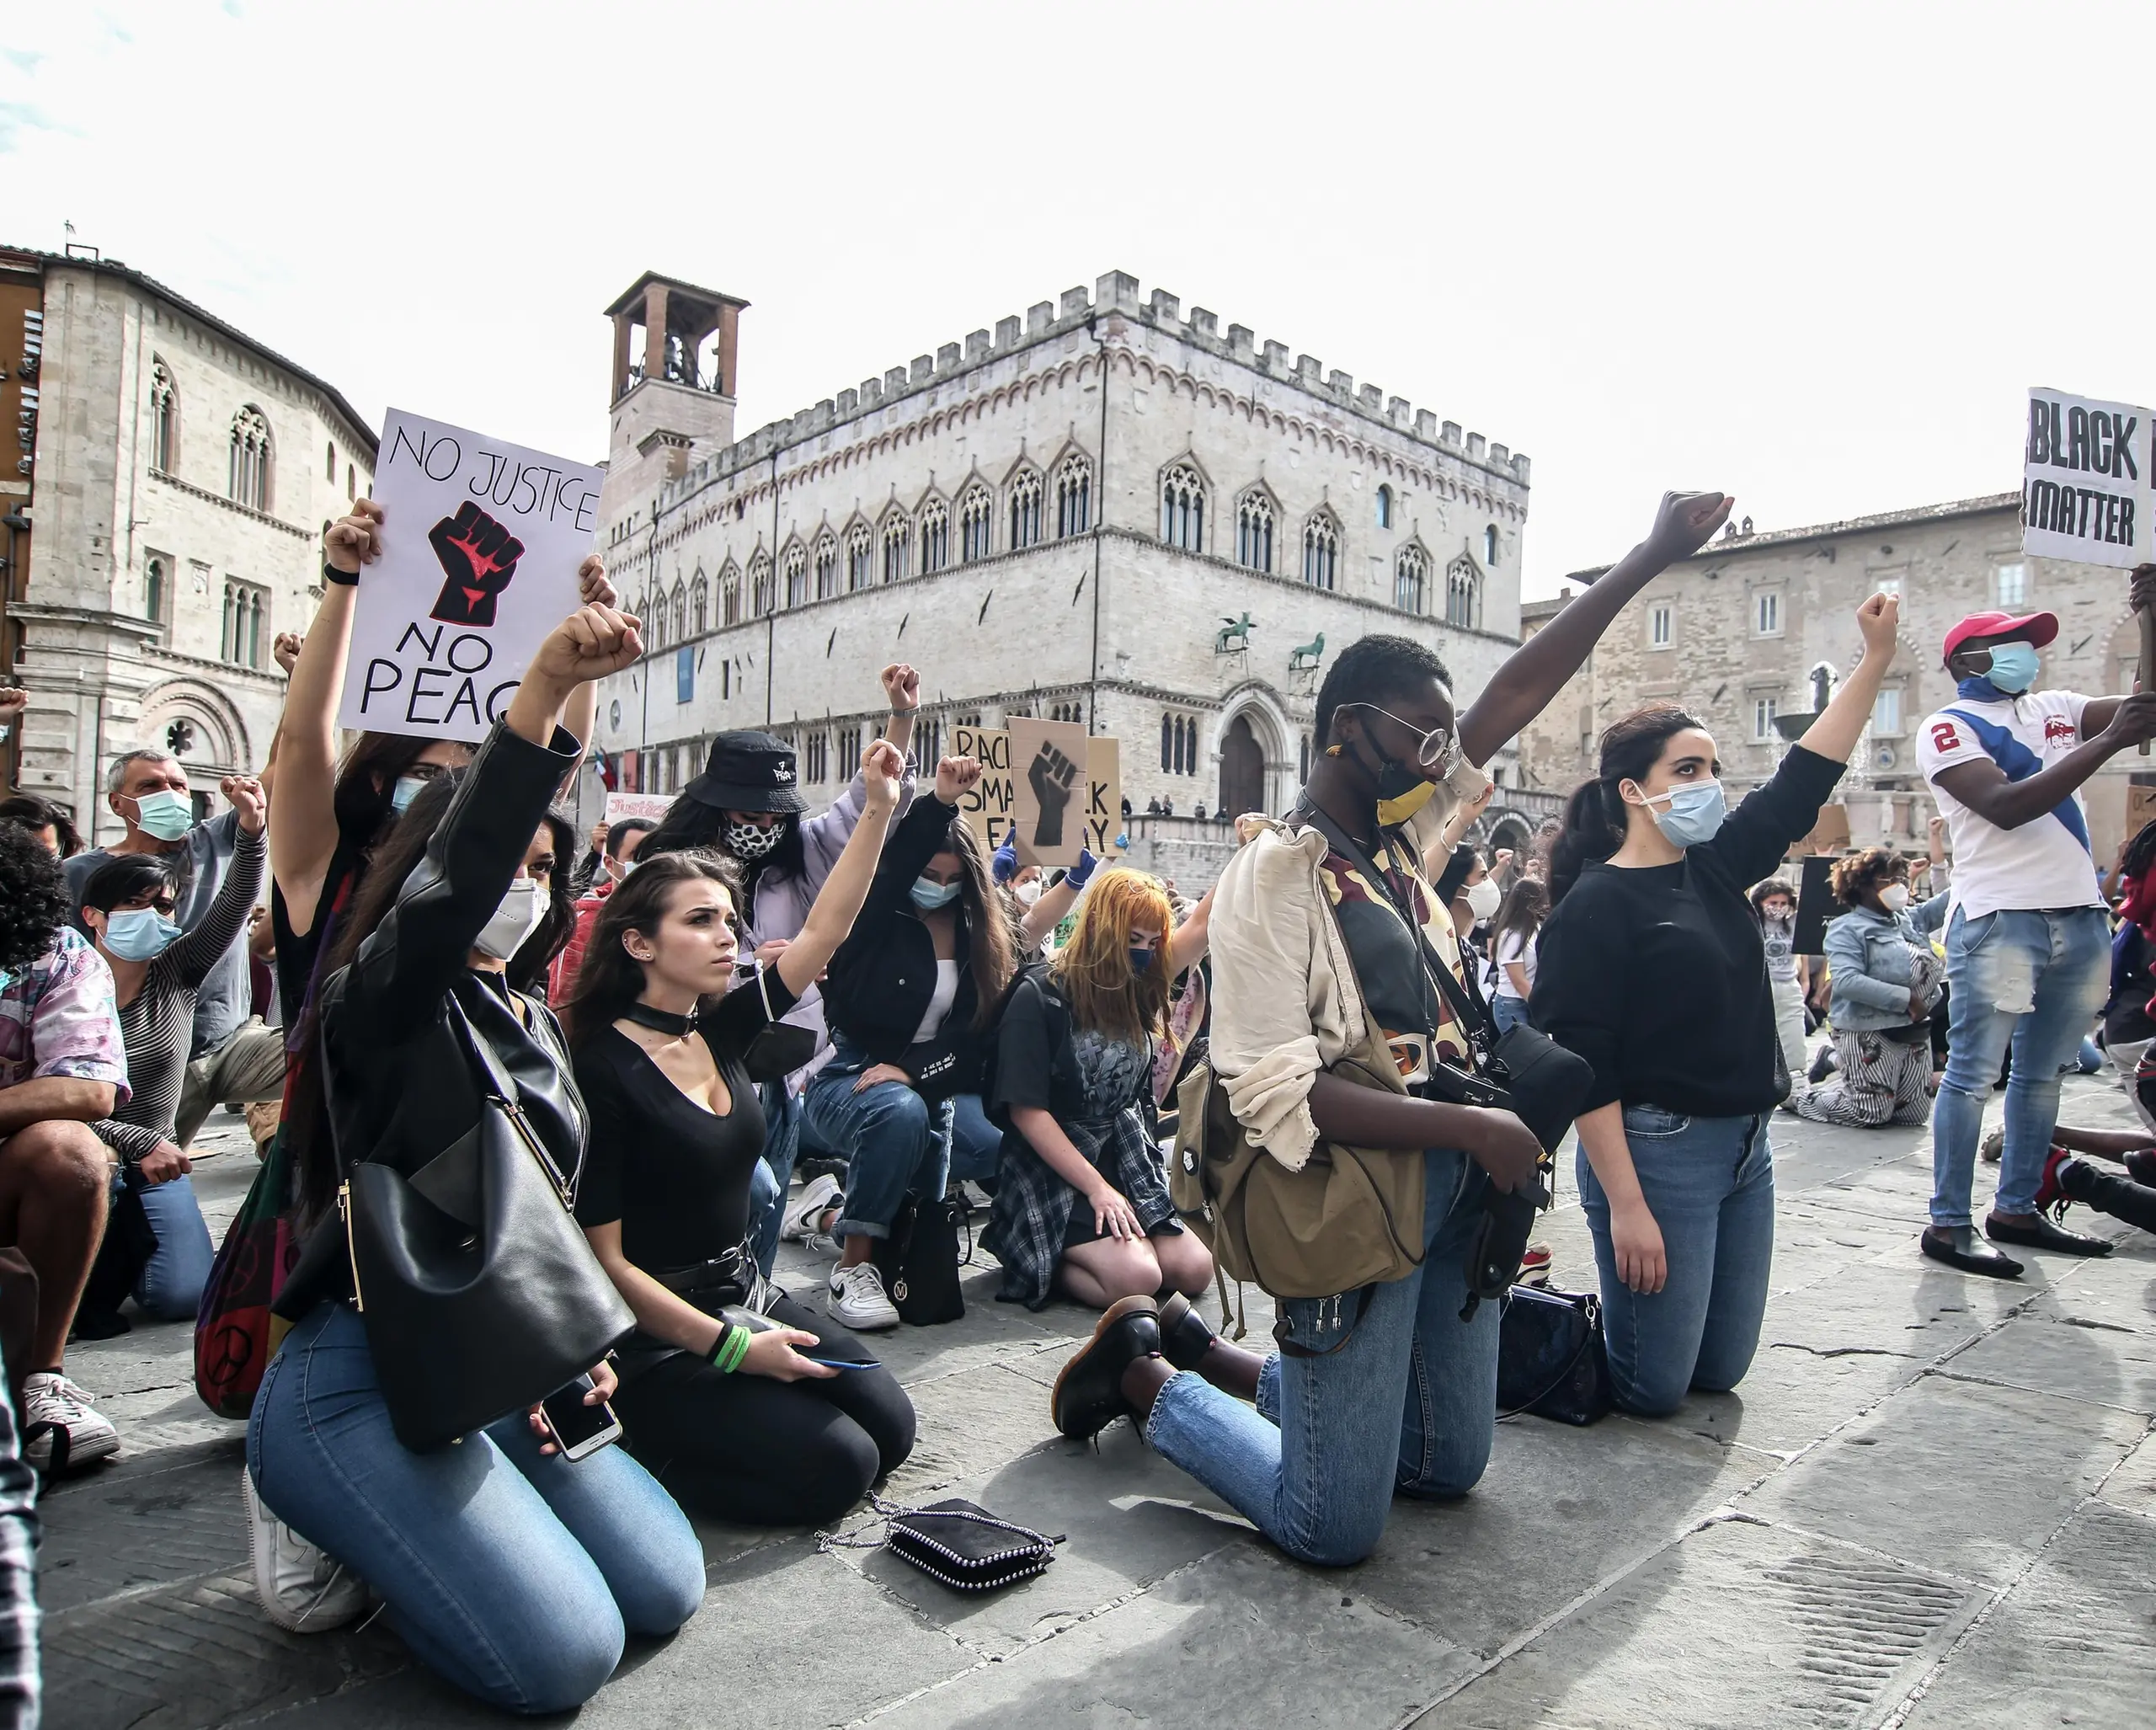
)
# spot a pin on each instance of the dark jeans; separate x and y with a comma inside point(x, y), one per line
point(760, 1452)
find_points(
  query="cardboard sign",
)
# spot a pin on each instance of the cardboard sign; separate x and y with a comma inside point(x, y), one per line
point(2086, 480)
point(1830, 834)
point(993, 808)
point(653, 805)
point(480, 544)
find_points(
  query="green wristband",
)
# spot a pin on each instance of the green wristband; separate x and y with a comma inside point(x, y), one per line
point(730, 1347)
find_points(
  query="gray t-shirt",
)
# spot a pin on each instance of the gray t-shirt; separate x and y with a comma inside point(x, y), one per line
point(1780, 936)
point(223, 1002)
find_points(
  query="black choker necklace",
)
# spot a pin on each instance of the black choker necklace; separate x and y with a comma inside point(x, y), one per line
point(659, 1022)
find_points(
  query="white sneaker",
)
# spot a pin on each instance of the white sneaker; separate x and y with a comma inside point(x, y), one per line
point(857, 1298)
point(803, 1218)
point(60, 1428)
point(303, 1589)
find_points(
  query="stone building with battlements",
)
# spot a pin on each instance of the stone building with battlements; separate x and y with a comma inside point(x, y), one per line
point(1109, 512)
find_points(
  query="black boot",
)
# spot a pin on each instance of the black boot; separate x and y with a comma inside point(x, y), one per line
point(1185, 1339)
point(2122, 1198)
point(1959, 1246)
point(1088, 1394)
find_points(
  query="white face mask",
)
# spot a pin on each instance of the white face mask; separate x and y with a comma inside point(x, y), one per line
point(1484, 899)
point(505, 933)
point(1027, 892)
point(1894, 897)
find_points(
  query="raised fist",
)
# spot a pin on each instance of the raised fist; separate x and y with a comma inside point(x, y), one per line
point(479, 557)
point(1051, 778)
point(1685, 522)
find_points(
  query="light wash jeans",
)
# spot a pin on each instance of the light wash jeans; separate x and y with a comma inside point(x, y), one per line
point(1788, 1027)
point(1408, 1404)
point(2034, 981)
point(170, 1288)
point(1709, 1184)
point(1508, 1010)
point(515, 1575)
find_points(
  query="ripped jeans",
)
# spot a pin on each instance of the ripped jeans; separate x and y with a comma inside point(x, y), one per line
point(2032, 979)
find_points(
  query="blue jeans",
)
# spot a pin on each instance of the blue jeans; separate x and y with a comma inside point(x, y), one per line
point(514, 1576)
point(895, 1143)
point(170, 1288)
point(768, 1183)
point(976, 1144)
point(2034, 981)
point(1709, 1184)
point(1407, 1405)
point(1508, 1012)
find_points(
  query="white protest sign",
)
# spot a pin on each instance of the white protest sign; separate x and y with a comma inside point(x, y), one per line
point(653, 805)
point(480, 544)
point(2086, 480)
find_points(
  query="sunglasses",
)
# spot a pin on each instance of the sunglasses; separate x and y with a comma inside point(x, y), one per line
point(1434, 750)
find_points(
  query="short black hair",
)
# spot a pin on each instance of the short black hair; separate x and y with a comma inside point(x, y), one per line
point(32, 897)
point(123, 876)
point(1378, 670)
point(619, 832)
point(34, 813)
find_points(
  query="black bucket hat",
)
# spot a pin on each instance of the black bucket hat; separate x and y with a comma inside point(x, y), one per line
point(749, 772)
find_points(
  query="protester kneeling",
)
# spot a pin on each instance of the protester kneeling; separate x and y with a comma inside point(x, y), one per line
point(1886, 982)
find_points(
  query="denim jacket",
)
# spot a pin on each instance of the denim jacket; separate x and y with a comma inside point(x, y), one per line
point(1868, 963)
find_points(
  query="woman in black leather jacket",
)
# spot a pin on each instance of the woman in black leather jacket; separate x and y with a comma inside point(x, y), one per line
point(513, 1573)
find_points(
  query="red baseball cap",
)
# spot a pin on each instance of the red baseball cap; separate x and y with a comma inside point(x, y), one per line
point(2034, 629)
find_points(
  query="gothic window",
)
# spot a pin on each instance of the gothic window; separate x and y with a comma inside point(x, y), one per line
point(927, 740)
point(935, 537)
point(654, 621)
point(797, 574)
point(247, 476)
point(1490, 547)
point(153, 589)
point(351, 482)
point(860, 558)
point(245, 633)
point(1463, 593)
point(1073, 713)
point(1411, 579)
point(976, 524)
point(699, 607)
point(1074, 496)
point(1025, 510)
point(729, 595)
point(164, 419)
point(1167, 743)
point(849, 751)
point(827, 567)
point(1306, 757)
point(1178, 744)
point(898, 547)
point(1384, 507)
point(680, 610)
point(1182, 508)
point(329, 462)
point(763, 596)
point(1320, 551)
point(819, 757)
point(1254, 532)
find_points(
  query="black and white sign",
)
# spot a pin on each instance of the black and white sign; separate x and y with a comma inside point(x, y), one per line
point(2086, 481)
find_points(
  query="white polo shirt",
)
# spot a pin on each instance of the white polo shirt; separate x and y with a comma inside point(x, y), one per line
point(2045, 864)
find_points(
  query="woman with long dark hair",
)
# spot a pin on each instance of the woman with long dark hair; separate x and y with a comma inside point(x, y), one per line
point(911, 996)
point(728, 1391)
point(1652, 969)
point(513, 1573)
point(1886, 982)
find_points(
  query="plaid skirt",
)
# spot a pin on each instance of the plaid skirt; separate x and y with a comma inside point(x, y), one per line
point(1027, 1226)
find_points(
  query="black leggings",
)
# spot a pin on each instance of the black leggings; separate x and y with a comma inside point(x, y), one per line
point(760, 1452)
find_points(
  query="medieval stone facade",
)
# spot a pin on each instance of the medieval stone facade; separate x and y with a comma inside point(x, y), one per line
point(1752, 629)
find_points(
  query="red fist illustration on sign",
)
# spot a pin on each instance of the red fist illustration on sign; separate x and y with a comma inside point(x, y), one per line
point(479, 556)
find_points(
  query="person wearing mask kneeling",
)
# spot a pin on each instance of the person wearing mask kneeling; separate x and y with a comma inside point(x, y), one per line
point(510, 1571)
point(909, 997)
point(1651, 968)
point(1083, 1197)
point(729, 1392)
point(1886, 984)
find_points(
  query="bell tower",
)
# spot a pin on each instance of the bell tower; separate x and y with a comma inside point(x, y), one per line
point(673, 390)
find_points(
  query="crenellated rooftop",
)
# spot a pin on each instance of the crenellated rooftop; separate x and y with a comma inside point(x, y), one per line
point(1117, 293)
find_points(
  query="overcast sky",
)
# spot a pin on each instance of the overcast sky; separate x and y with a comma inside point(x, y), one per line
point(1810, 253)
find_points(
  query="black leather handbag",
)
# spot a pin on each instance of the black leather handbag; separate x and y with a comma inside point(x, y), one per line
point(1552, 1359)
point(957, 1542)
point(919, 1261)
point(480, 1293)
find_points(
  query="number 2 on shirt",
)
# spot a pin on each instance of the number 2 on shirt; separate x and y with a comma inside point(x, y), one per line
point(1943, 738)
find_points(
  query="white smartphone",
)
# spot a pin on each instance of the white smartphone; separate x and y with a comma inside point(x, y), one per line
point(581, 1430)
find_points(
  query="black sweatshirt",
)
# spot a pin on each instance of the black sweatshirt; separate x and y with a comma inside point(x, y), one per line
point(1658, 976)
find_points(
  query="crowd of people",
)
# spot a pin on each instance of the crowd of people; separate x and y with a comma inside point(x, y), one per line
point(746, 1023)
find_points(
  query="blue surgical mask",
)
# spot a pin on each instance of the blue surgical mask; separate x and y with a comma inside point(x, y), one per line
point(2013, 667)
point(929, 895)
point(139, 933)
point(1141, 960)
point(164, 815)
point(1695, 812)
point(407, 789)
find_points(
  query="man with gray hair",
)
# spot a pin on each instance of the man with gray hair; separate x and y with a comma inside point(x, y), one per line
point(233, 1057)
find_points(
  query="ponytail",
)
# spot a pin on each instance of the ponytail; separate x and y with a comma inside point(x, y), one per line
point(1595, 819)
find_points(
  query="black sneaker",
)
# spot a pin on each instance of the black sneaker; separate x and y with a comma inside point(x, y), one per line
point(1823, 1066)
point(1088, 1394)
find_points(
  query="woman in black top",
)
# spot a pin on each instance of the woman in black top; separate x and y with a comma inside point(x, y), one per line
point(1651, 968)
point(722, 1394)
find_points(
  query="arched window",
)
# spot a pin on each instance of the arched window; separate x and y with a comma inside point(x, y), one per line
point(976, 524)
point(330, 464)
point(797, 574)
point(729, 594)
point(860, 558)
point(1254, 532)
point(351, 482)
point(1320, 551)
point(153, 590)
point(1025, 510)
point(680, 610)
point(1074, 496)
point(1490, 547)
point(1411, 578)
point(243, 637)
point(699, 606)
point(1167, 744)
point(655, 616)
point(164, 419)
point(1384, 507)
point(827, 567)
point(898, 547)
point(763, 592)
point(1464, 593)
point(1305, 772)
point(1182, 508)
point(935, 537)
point(247, 477)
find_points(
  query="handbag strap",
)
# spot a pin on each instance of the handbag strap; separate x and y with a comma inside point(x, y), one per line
point(1588, 1308)
point(886, 1512)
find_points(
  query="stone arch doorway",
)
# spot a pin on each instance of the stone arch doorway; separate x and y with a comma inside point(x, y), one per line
point(1242, 769)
